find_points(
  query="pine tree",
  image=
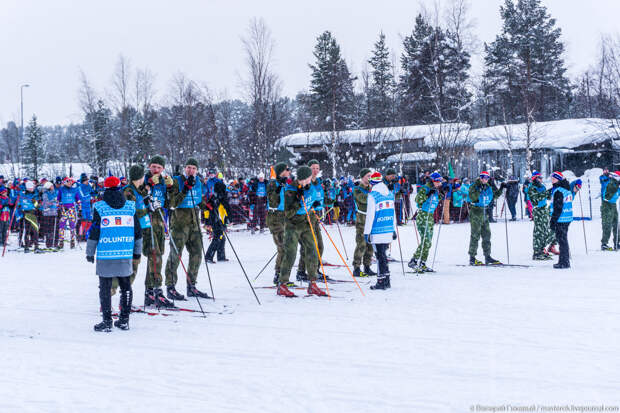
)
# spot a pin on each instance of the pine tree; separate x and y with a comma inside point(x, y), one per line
point(97, 136)
point(33, 153)
point(524, 66)
point(381, 89)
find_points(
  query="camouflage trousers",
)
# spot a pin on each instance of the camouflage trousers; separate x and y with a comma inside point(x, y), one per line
point(191, 238)
point(276, 223)
point(302, 249)
point(154, 255)
point(609, 218)
point(543, 236)
point(294, 234)
point(479, 222)
point(363, 250)
point(425, 223)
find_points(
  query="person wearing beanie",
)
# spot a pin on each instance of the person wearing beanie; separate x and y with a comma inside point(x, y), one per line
point(298, 200)
point(28, 204)
point(609, 212)
point(363, 250)
point(86, 195)
point(68, 199)
point(49, 215)
point(5, 214)
point(481, 194)
point(258, 203)
point(316, 213)
point(116, 239)
point(275, 217)
point(561, 216)
point(186, 203)
point(217, 217)
point(542, 236)
point(380, 227)
point(428, 197)
point(157, 185)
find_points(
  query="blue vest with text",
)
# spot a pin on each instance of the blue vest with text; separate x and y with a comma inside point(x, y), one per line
point(280, 206)
point(261, 189)
point(158, 192)
point(193, 197)
point(319, 193)
point(543, 202)
point(567, 207)
point(486, 196)
point(145, 221)
point(431, 202)
point(116, 237)
point(26, 201)
point(384, 213)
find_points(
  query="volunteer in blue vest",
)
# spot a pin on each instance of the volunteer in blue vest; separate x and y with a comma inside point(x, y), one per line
point(481, 194)
point(186, 202)
point(316, 213)
point(258, 198)
point(158, 183)
point(116, 239)
point(561, 216)
point(363, 250)
point(427, 199)
point(275, 216)
point(380, 227)
point(28, 204)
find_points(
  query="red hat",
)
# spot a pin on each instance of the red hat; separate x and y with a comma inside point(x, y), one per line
point(557, 175)
point(484, 174)
point(375, 178)
point(112, 182)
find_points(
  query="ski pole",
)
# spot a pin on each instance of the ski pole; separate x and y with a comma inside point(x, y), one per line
point(342, 240)
point(176, 251)
point(417, 236)
point(521, 201)
point(154, 269)
point(402, 263)
point(316, 246)
point(218, 220)
point(339, 254)
point(261, 271)
point(74, 230)
point(590, 198)
point(506, 226)
point(202, 246)
point(55, 230)
point(583, 224)
point(436, 243)
point(6, 238)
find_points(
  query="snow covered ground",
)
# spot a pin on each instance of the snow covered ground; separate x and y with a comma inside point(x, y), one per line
point(442, 342)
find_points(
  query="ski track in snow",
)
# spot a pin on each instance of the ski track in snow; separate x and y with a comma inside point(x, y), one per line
point(439, 342)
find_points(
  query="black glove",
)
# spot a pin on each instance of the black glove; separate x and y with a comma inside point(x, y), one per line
point(90, 259)
point(316, 204)
point(431, 191)
point(390, 186)
point(394, 235)
point(189, 183)
point(503, 185)
point(137, 256)
point(147, 201)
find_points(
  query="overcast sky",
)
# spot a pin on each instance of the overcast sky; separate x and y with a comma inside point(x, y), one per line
point(45, 43)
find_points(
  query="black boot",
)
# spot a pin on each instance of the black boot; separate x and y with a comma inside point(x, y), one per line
point(368, 270)
point(161, 301)
point(473, 261)
point(357, 272)
point(105, 326)
point(413, 263)
point(222, 259)
point(276, 277)
point(209, 259)
point(192, 291)
point(491, 261)
point(302, 276)
point(173, 294)
point(561, 265)
point(125, 304)
point(383, 282)
point(149, 297)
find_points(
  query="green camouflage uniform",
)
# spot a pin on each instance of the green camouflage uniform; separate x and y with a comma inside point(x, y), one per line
point(363, 250)
point(425, 223)
point(319, 239)
point(185, 232)
point(296, 230)
point(146, 243)
point(609, 214)
point(276, 220)
point(543, 236)
point(479, 219)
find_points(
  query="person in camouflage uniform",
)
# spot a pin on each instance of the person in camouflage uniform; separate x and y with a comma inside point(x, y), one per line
point(363, 250)
point(275, 216)
point(609, 212)
point(136, 192)
point(298, 198)
point(543, 236)
point(186, 202)
point(158, 185)
point(481, 194)
point(316, 185)
point(427, 199)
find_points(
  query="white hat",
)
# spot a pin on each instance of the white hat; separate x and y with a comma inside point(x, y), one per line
point(48, 185)
point(29, 185)
point(261, 175)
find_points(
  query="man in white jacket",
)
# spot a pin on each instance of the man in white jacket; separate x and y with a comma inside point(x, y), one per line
point(380, 229)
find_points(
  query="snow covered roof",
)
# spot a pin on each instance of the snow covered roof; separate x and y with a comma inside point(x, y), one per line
point(412, 157)
point(559, 134)
point(361, 136)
